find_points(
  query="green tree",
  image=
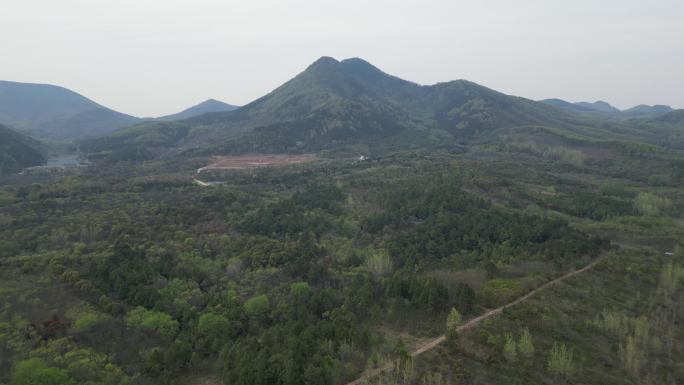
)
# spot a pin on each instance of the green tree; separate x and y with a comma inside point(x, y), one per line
point(560, 360)
point(159, 322)
point(678, 250)
point(453, 322)
point(257, 306)
point(525, 345)
point(213, 330)
point(651, 204)
point(510, 349)
point(300, 290)
point(86, 321)
point(403, 364)
point(36, 372)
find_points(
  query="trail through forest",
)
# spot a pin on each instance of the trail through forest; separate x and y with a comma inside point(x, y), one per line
point(474, 322)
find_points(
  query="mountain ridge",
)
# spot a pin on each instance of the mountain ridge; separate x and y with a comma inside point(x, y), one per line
point(604, 110)
point(56, 113)
point(351, 105)
point(331, 104)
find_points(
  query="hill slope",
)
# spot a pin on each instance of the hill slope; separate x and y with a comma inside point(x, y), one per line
point(673, 117)
point(644, 112)
point(18, 151)
point(56, 113)
point(207, 106)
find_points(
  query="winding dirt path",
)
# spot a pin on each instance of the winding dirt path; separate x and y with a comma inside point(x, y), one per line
point(474, 322)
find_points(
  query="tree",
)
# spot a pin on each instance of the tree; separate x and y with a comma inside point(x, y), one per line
point(403, 364)
point(213, 330)
point(453, 322)
point(159, 322)
point(678, 250)
point(510, 349)
point(560, 360)
point(257, 306)
point(300, 290)
point(36, 372)
point(651, 204)
point(525, 345)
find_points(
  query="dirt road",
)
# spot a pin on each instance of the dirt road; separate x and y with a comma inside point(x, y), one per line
point(473, 322)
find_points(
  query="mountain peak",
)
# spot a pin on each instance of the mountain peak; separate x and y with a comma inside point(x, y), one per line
point(207, 106)
point(356, 61)
point(358, 65)
point(599, 106)
point(324, 61)
point(212, 102)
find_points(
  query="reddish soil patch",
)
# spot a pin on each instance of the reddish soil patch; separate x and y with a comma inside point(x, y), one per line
point(226, 162)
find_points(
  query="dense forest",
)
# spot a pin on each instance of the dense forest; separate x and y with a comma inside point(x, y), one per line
point(306, 274)
point(418, 209)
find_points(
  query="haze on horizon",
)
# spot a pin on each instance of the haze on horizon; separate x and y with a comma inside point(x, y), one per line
point(154, 57)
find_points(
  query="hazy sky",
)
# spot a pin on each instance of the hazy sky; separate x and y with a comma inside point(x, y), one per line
point(153, 57)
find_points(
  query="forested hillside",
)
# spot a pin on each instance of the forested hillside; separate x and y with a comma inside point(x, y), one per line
point(18, 151)
point(352, 106)
point(603, 110)
point(350, 103)
point(312, 273)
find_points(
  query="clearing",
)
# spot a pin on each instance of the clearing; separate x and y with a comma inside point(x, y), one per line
point(233, 162)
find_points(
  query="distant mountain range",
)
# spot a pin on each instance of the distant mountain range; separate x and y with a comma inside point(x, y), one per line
point(18, 151)
point(337, 103)
point(604, 110)
point(56, 113)
point(331, 104)
point(207, 106)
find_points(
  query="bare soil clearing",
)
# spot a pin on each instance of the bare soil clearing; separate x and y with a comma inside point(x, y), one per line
point(235, 162)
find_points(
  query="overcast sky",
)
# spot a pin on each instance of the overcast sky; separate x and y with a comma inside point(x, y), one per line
point(154, 57)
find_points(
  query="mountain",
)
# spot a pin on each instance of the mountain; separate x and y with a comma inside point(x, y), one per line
point(582, 108)
point(211, 105)
point(672, 117)
point(604, 110)
point(600, 106)
point(56, 113)
point(350, 102)
point(18, 151)
point(644, 112)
